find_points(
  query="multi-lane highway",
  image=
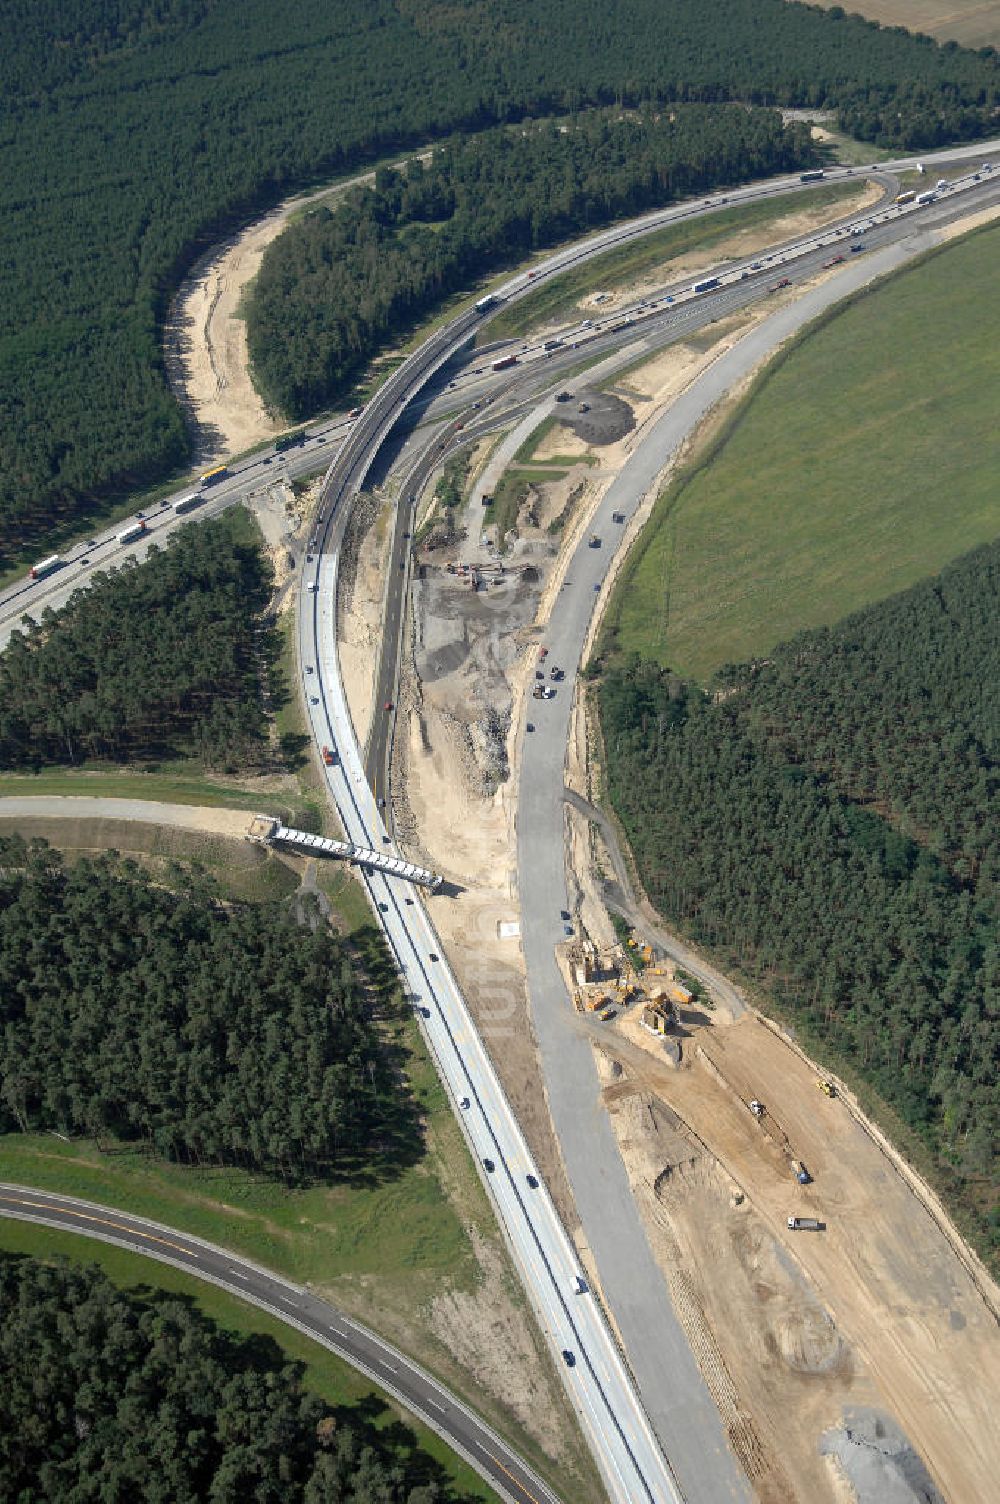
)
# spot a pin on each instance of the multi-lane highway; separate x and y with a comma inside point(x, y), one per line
point(597, 1380)
point(406, 1381)
point(605, 1398)
point(569, 1315)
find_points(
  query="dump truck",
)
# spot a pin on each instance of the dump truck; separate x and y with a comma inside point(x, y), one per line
point(805, 1224)
point(801, 1173)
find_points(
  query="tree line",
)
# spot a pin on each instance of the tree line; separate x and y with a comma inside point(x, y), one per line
point(135, 1394)
point(828, 822)
point(338, 285)
point(136, 134)
point(171, 657)
point(211, 1034)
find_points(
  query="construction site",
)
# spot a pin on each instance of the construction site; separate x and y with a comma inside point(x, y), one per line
point(847, 1335)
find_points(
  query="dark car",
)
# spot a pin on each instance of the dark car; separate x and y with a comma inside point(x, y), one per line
point(564, 914)
point(465, 1104)
point(532, 1182)
point(568, 1358)
point(435, 956)
point(530, 726)
point(383, 908)
point(489, 1166)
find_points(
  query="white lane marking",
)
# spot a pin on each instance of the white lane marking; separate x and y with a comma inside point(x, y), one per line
point(390, 1366)
point(237, 1275)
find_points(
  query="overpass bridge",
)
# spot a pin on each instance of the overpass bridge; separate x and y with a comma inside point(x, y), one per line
point(269, 831)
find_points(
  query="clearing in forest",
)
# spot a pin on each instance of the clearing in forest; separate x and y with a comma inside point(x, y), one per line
point(864, 460)
point(973, 23)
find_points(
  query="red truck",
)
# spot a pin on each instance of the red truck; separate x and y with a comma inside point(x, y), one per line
point(329, 756)
point(777, 286)
point(505, 364)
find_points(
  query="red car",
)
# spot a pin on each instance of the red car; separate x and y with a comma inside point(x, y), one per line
point(834, 261)
point(387, 705)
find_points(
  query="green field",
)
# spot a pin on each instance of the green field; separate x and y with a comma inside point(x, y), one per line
point(386, 1251)
point(171, 788)
point(326, 1374)
point(864, 459)
point(556, 298)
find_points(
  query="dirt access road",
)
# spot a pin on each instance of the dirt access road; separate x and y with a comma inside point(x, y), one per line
point(881, 1311)
point(205, 340)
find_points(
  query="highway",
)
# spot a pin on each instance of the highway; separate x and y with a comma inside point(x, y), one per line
point(567, 1311)
point(609, 1406)
point(296, 1306)
point(606, 1399)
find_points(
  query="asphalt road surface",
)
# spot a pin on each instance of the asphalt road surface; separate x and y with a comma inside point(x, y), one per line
point(595, 1378)
point(481, 1447)
point(568, 1314)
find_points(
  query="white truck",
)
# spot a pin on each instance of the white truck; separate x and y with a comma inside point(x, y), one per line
point(45, 566)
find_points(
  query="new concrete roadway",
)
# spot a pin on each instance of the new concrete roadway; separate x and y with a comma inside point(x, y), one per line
point(296, 1306)
point(569, 1316)
point(606, 1400)
point(680, 1407)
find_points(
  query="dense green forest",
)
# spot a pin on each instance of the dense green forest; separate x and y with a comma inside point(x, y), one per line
point(214, 1034)
point(167, 658)
point(135, 133)
point(135, 1395)
point(336, 285)
point(828, 821)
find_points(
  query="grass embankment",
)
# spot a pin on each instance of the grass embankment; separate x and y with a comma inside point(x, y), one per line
point(170, 787)
point(864, 458)
point(512, 492)
point(240, 870)
point(556, 298)
point(327, 1375)
point(388, 1252)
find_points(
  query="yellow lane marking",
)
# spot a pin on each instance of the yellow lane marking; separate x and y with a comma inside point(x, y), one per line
point(67, 1211)
point(516, 1481)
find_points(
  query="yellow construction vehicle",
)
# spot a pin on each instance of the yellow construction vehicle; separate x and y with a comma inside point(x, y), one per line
point(827, 1088)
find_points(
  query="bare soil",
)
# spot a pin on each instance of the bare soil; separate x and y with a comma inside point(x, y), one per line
point(360, 600)
point(882, 1308)
point(735, 247)
point(205, 341)
point(877, 1315)
point(974, 23)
